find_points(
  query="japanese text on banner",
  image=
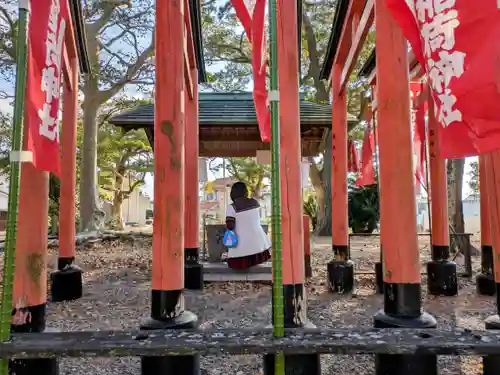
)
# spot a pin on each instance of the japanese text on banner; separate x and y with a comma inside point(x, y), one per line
point(438, 20)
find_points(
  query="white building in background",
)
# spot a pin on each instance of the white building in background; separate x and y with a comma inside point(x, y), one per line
point(4, 193)
point(471, 208)
point(135, 208)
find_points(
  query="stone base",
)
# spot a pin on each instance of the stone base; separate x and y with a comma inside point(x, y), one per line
point(387, 364)
point(296, 364)
point(485, 285)
point(171, 365)
point(341, 276)
point(66, 284)
point(442, 278)
point(36, 366)
point(379, 278)
point(193, 276)
point(220, 272)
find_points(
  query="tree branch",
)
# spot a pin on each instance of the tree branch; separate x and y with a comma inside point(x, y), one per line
point(131, 72)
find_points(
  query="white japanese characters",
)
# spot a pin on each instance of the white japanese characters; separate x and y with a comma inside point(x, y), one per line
point(51, 74)
point(438, 20)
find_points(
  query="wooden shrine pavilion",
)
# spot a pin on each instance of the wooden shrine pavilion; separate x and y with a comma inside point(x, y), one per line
point(228, 124)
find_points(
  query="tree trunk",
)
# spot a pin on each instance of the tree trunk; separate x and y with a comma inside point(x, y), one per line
point(325, 223)
point(91, 216)
point(116, 211)
point(455, 174)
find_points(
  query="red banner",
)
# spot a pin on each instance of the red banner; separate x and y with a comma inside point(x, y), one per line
point(352, 157)
point(456, 41)
point(47, 26)
point(367, 175)
point(251, 14)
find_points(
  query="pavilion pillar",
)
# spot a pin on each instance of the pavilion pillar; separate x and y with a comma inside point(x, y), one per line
point(193, 270)
point(294, 291)
point(402, 289)
point(307, 246)
point(441, 272)
point(66, 281)
point(341, 269)
point(167, 296)
point(30, 275)
point(491, 162)
point(485, 282)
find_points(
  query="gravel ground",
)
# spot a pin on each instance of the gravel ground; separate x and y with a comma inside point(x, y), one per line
point(117, 284)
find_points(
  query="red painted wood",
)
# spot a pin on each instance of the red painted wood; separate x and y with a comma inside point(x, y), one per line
point(290, 147)
point(168, 227)
point(340, 223)
point(67, 205)
point(191, 185)
point(30, 275)
point(485, 210)
point(397, 187)
point(440, 234)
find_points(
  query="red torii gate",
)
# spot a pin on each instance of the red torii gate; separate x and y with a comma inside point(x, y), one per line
point(30, 277)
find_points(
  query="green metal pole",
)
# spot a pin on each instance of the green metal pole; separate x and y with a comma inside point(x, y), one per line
point(15, 177)
point(279, 317)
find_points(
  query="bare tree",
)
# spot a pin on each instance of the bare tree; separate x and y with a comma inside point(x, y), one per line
point(121, 46)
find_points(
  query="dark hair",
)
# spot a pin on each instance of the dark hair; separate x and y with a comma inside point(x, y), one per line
point(239, 190)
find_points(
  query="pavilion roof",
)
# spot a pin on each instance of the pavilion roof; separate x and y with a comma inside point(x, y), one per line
point(195, 14)
point(338, 23)
point(229, 127)
point(369, 66)
point(226, 109)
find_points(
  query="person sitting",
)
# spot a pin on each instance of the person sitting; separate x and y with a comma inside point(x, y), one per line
point(243, 218)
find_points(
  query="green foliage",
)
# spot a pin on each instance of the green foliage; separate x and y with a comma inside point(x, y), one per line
point(247, 170)
point(474, 177)
point(311, 209)
point(363, 208)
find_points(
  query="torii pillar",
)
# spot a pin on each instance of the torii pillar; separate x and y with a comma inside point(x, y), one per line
point(441, 272)
point(67, 279)
point(193, 277)
point(485, 282)
point(294, 290)
point(491, 363)
point(402, 288)
point(167, 295)
point(341, 269)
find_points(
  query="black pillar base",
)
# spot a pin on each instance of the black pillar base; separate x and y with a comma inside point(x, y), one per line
point(307, 266)
point(442, 278)
point(297, 364)
point(295, 305)
point(491, 363)
point(193, 270)
point(66, 282)
point(167, 312)
point(485, 285)
point(193, 276)
point(341, 276)
point(37, 366)
point(402, 310)
point(379, 278)
point(485, 282)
